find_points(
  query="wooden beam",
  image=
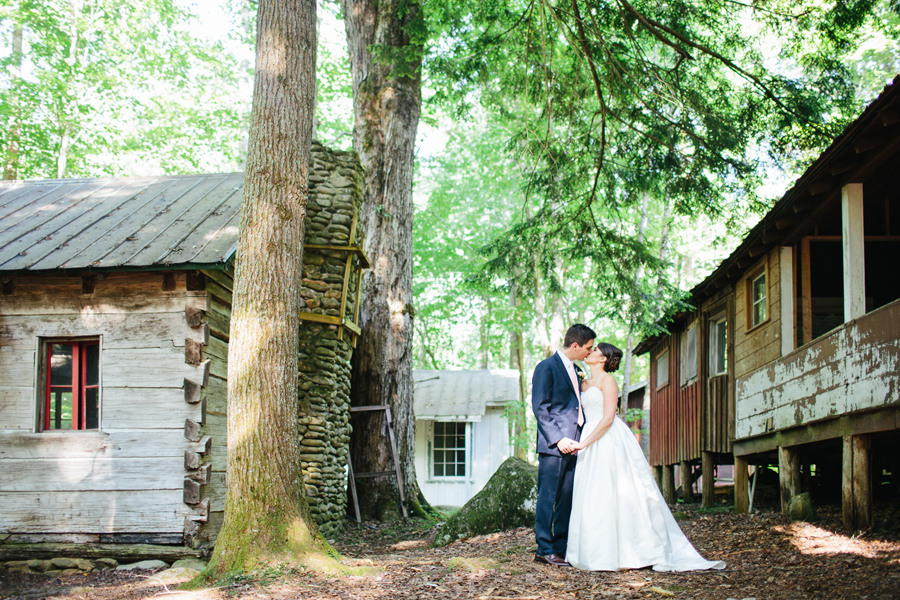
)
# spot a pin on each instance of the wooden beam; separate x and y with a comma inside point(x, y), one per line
point(868, 142)
point(890, 117)
point(192, 391)
point(192, 315)
point(708, 465)
point(168, 281)
point(741, 490)
point(757, 250)
point(88, 282)
point(687, 492)
point(123, 552)
point(668, 483)
point(193, 352)
point(856, 482)
point(788, 475)
point(785, 222)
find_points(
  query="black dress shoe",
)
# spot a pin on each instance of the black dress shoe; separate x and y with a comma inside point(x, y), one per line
point(551, 559)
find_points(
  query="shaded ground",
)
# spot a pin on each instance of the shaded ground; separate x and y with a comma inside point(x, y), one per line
point(767, 558)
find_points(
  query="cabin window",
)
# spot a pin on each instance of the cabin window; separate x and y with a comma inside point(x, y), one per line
point(448, 455)
point(758, 298)
point(689, 355)
point(662, 369)
point(717, 346)
point(71, 390)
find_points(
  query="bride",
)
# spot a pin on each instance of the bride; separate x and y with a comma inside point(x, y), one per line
point(619, 517)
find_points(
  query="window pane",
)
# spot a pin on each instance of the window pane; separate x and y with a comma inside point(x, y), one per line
point(438, 470)
point(461, 470)
point(60, 364)
point(92, 408)
point(662, 369)
point(61, 408)
point(92, 367)
point(438, 457)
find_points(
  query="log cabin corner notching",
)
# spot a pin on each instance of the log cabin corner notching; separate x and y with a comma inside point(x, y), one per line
point(114, 327)
point(792, 355)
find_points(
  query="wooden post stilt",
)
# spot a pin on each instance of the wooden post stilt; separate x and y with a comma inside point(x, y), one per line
point(788, 475)
point(856, 482)
point(708, 468)
point(741, 495)
point(687, 491)
point(668, 483)
point(657, 476)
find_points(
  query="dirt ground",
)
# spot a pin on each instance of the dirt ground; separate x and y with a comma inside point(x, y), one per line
point(767, 559)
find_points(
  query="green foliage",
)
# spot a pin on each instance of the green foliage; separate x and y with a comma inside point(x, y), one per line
point(106, 87)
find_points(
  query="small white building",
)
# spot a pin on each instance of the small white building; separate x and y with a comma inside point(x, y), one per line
point(462, 434)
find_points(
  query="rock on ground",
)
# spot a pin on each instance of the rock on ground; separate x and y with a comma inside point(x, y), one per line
point(506, 502)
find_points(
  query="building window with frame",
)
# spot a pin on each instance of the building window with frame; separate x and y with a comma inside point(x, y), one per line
point(71, 395)
point(448, 454)
point(718, 355)
point(758, 298)
point(689, 354)
point(662, 369)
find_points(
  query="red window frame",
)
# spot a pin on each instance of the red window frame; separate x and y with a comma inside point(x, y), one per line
point(79, 387)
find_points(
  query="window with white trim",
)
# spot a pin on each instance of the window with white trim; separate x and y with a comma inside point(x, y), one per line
point(718, 355)
point(689, 354)
point(758, 295)
point(448, 449)
point(662, 369)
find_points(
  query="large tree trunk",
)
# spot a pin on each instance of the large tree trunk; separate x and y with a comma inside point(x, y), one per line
point(516, 412)
point(387, 92)
point(266, 516)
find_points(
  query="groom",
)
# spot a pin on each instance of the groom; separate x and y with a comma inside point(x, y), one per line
point(555, 399)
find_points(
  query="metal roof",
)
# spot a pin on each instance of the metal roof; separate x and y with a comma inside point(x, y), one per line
point(119, 223)
point(462, 395)
point(868, 141)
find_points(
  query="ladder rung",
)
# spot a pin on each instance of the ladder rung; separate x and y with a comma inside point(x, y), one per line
point(375, 474)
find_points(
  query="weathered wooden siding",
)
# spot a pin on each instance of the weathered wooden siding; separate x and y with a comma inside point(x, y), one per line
point(762, 344)
point(852, 369)
point(218, 286)
point(674, 412)
point(126, 478)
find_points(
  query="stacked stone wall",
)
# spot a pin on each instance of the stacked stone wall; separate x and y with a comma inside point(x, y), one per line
point(335, 197)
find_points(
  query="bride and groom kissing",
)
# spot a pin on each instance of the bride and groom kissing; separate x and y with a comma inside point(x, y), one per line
point(598, 507)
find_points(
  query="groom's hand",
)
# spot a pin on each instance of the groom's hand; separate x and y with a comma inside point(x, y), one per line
point(566, 446)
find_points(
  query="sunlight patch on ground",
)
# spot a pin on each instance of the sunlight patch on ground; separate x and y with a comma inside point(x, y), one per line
point(809, 539)
point(409, 544)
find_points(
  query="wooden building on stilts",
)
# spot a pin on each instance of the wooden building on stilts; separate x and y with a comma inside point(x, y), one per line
point(791, 357)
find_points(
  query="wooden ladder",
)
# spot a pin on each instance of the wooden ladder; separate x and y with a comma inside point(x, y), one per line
point(396, 472)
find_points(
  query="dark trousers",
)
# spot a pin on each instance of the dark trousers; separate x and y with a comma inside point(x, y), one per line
point(554, 503)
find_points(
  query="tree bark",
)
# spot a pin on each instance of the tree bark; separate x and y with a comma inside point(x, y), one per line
point(266, 515)
point(516, 414)
point(385, 63)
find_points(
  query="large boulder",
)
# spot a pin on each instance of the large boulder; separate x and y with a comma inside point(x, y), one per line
point(506, 502)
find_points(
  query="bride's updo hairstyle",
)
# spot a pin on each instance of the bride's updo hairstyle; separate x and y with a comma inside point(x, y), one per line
point(613, 356)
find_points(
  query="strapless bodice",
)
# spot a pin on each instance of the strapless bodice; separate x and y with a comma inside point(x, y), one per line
point(592, 403)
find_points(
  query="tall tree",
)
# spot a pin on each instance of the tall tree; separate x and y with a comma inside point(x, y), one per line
point(266, 515)
point(386, 43)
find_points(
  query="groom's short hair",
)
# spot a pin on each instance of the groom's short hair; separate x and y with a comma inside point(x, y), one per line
point(578, 334)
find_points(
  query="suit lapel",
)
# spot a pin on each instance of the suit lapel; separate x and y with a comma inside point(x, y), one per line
point(561, 368)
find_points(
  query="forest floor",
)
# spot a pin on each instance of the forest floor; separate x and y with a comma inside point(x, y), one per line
point(767, 559)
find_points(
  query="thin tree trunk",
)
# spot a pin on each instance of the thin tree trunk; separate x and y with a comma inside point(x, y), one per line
point(11, 163)
point(635, 310)
point(516, 414)
point(385, 64)
point(485, 333)
point(266, 515)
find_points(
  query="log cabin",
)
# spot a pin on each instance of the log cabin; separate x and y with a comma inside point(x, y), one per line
point(114, 326)
point(791, 356)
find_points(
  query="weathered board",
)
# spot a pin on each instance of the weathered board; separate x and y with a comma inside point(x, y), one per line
point(160, 511)
point(851, 369)
point(66, 474)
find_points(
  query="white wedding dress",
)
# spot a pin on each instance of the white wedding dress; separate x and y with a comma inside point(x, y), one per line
point(619, 517)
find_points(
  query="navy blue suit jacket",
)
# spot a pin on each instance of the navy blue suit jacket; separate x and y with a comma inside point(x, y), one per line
point(555, 405)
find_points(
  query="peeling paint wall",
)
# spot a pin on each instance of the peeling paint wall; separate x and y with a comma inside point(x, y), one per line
point(854, 368)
